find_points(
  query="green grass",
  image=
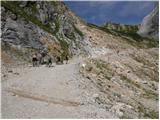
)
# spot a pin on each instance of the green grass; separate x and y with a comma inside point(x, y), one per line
point(107, 77)
point(100, 64)
point(147, 114)
point(65, 47)
point(152, 114)
point(32, 5)
point(104, 69)
point(57, 23)
point(54, 3)
point(152, 43)
point(137, 39)
point(131, 34)
point(150, 94)
point(20, 11)
point(98, 27)
point(127, 32)
point(131, 82)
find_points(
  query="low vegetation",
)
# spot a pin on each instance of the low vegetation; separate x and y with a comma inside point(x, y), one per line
point(57, 23)
point(101, 74)
point(150, 94)
point(147, 113)
point(12, 6)
point(65, 48)
point(129, 81)
point(130, 36)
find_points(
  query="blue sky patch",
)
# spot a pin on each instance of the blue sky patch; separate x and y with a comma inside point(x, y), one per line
point(98, 12)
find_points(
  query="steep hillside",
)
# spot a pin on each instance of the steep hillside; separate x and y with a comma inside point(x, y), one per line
point(150, 24)
point(125, 71)
point(117, 77)
point(120, 27)
point(127, 33)
point(31, 26)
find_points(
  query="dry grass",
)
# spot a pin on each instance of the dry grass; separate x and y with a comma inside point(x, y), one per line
point(54, 48)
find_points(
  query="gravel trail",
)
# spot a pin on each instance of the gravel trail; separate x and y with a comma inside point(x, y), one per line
point(56, 92)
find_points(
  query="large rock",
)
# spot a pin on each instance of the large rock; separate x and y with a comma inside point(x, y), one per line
point(30, 22)
point(150, 25)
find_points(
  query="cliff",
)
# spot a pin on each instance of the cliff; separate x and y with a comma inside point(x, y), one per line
point(31, 26)
point(150, 25)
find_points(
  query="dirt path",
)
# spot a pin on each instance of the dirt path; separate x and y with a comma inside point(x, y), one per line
point(56, 92)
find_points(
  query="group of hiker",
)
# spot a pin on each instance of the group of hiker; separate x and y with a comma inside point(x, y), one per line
point(40, 59)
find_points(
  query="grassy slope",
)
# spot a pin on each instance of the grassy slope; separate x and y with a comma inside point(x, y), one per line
point(104, 72)
point(131, 36)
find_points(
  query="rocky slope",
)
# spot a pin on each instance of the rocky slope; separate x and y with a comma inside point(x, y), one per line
point(126, 74)
point(31, 26)
point(119, 75)
point(150, 24)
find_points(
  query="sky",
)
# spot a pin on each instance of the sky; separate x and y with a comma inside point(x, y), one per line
point(124, 12)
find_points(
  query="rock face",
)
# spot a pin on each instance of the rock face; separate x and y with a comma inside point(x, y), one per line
point(150, 25)
point(38, 26)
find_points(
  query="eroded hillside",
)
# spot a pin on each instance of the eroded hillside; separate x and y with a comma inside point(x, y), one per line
point(125, 74)
point(117, 77)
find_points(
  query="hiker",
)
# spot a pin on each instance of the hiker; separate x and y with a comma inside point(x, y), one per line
point(117, 51)
point(40, 59)
point(49, 61)
point(59, 60)
point(34, 60)
point(67, 59)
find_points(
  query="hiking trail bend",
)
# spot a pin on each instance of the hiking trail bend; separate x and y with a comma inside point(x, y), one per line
point(56, 92)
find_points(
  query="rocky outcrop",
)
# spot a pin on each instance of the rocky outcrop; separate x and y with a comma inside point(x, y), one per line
point(41, 25)
point(150, 25)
